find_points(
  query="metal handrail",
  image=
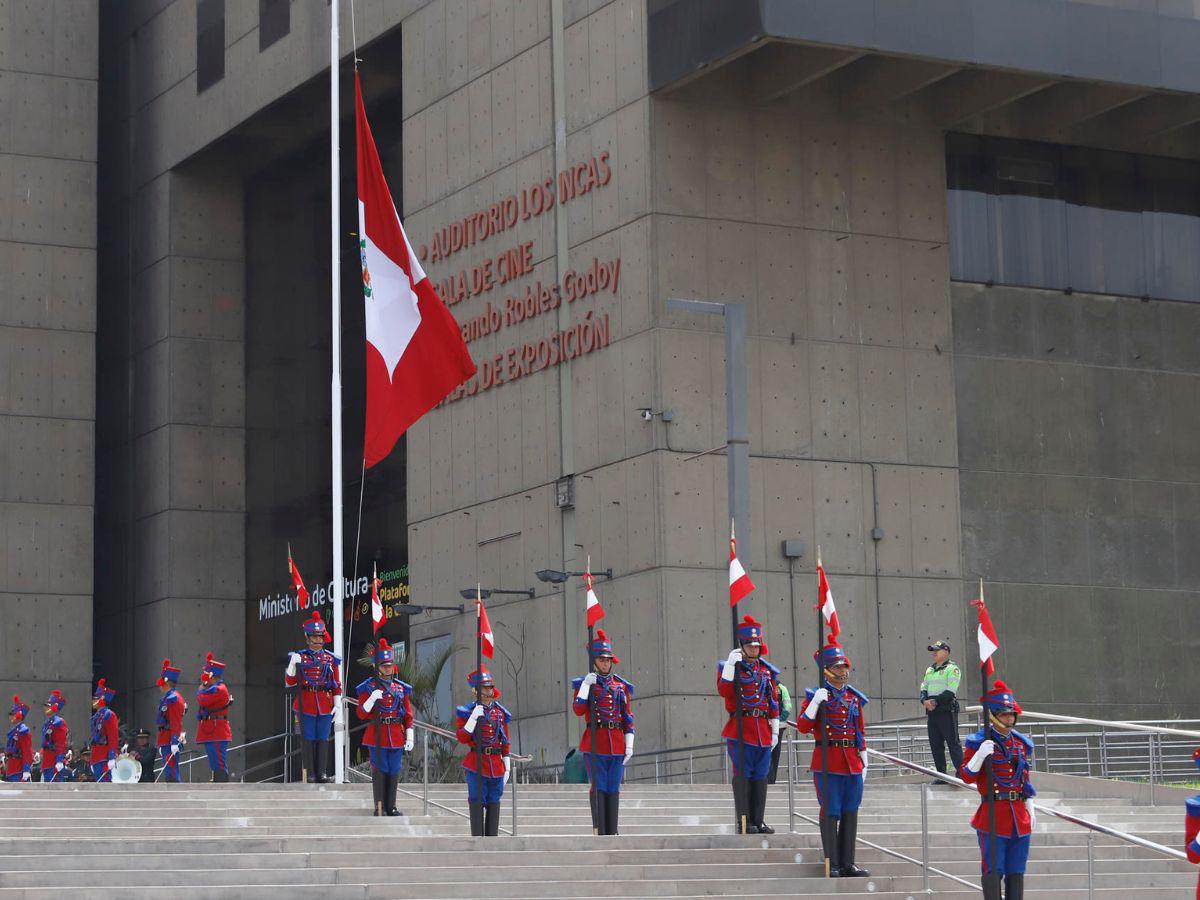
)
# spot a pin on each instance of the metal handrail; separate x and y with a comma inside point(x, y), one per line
point(917, 722)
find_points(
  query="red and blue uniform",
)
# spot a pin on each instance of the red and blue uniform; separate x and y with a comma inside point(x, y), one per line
point(103, 734)
point(1192, 827)
point(487, 762)
point(18, 745)
point(385, 704)
point(1011, 763)
point(56, 737)
point(608, 704)
point(318, 675)
point(212, 717)
point(170, 721)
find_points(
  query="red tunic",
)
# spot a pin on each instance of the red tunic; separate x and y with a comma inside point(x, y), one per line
point(1192, 834)
point(1010, 772)
point(105, 736)
point(319, 680)
point(170, 718)
point(491, 733)
point(757, 679)
point(18, 750)
point(610, 697)
point(55, 739)
point(843, 716)
point(390, 717)
point(213, 715)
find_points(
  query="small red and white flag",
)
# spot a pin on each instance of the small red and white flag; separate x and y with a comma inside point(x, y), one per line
point(825, 605)
point(377, 616)
point(487, 641)
point(595, 612)
point(415, 350)
point(297, 582)
point(740, 584)
point(989, 643)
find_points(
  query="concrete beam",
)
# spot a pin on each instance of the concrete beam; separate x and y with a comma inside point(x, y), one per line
point(974, 92)
point(1147, 119)
point(875, 81)
point(779, 69)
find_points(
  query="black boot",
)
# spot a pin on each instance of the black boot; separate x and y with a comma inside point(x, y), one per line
point(741, 806)
point(221, 776)
point(1014, 887)
point(312, 761)
point(389, 794)
point(829, 843)
point(598, 823)
point(322, 756)
point(378, 781)
point(758, 806)
point(991, 886)
point(476, 819)
point(847, 835)
point(492, 826)
point(612, 803)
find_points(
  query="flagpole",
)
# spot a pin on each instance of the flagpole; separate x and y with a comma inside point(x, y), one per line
point(597, 807)
point(335, 387)
point(478, 674)
point(988, 784)
point(737, 694)
point(821, 735)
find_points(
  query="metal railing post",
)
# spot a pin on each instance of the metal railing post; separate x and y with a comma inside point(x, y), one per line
point(791, 778)
point(691, 771)
point(1153, 742)
point(925, 839)
point(513, 782)
point(424, 772)
point(656, 768)
point(724, 767)
point(1103, 752)
point(1091, 836)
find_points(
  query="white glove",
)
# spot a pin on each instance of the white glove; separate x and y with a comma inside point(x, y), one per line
point(628, 746)
point(182, 737)
point(469, 728)
point(507, 771)
point(293, 661)
point(866, 762)
point(731, 661)
point(1032, 815)
point(774, 733)
point(111, 764)
point(58, 767)
point(174, 749)
point(410, 740)
point(975, 763)
point(585, 687)
point(376, 696)
point(25, 776)
point(820, 695)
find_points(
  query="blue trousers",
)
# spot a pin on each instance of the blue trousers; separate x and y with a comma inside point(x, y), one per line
point(843, 794)
point(51, 775)
point(100, 771)
point(757, 762)
point(1009, 854)
point(16, 777)
point(609, 771)
point(170, 763)
point(216, 754)
point(389, 760)
point(483, 789)
point(316, 728)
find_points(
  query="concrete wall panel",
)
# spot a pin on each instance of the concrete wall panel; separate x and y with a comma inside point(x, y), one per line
point(47, 460)
point(48, 287)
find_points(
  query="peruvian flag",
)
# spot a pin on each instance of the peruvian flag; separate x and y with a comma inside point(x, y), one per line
point(297, 581)
point(595, 612)
point(825, 605)
point(415, 351)
point(487, 641)
point(989, 643)
point(377, 617)
point(740, 584)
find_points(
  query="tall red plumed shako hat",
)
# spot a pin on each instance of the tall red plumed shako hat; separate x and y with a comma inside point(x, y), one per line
point(750, 631)
point(19, 709)
point(315, 625)
point(170, 674)
point(832, 654)
point(483, 679)
point(56, 700)
point(385, 654)
point(601, 646)
point(1001, 699)
point(103, 692)
point(214, 667)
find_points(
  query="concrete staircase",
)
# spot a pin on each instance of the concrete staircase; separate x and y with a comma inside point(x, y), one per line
point(294, 841)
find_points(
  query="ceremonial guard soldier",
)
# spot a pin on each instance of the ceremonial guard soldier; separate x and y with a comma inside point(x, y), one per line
point(18, 747)
point(753, 727)
point(1005, 849)
point(839, 763)
point(1192, 826)
point(385, 703)
point(104, 733)
point(610, 698)
point(170, 721)
point(56, 737)
point(483, 726)
point(318, 674)
point(212, 717)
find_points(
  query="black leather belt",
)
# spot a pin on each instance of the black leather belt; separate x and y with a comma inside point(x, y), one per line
point(392, 720)
point(316, 690)
point(844, 743)
point(608, 724)
point(753, 714)
point(1011, 796)
point(491, 751)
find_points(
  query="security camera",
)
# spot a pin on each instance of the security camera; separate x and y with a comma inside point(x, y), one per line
point(646, 413)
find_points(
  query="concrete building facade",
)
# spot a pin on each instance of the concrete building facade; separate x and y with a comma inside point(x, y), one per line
point(954, 371)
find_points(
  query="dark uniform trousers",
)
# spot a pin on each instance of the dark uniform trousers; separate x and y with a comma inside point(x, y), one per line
point(943, 732)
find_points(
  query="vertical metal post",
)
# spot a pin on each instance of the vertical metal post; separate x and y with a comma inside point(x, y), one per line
point(724, 767)
point(925, 839)
point(691, 770)
point(1152, 773)
point(424, 772)
point(513, 784)
point(737, 437)
point(1103, 752)
point(1091, 863)
point(656, 768)
point(791, 777)
point(1046, 741)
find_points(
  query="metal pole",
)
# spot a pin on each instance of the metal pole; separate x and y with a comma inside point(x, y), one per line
point(1152, 778)
point(335, 385)
point(737, 437)
point(1091, 863)
point(513, 782)
point(925, 839)
point(791, 778)
point(691, 771)
point(425, 772)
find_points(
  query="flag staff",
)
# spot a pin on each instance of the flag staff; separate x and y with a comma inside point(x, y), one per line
point(737, 694)
point(821, 735)
point(598, 810)
point(989, 786)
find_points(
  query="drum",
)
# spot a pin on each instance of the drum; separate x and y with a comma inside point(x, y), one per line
point(128, 770)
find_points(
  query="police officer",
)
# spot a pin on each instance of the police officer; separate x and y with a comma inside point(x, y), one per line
point(212, 718)
point(938, 690)
point(385, 703)
point(1004, 854)
point(104, 734)
point(170, 721)
point(56, 737)
point(483, 725)
point(610, 697)
point(318, 674)
point(749, 684)
point(18, 744)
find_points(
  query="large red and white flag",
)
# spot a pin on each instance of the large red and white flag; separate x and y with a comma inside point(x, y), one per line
point(487, 640)
point(825, 604)
point(989, 643)
point(377, 616)
point(740, 584)
point(595, 612)
point(297, 582)
point(415, 351)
